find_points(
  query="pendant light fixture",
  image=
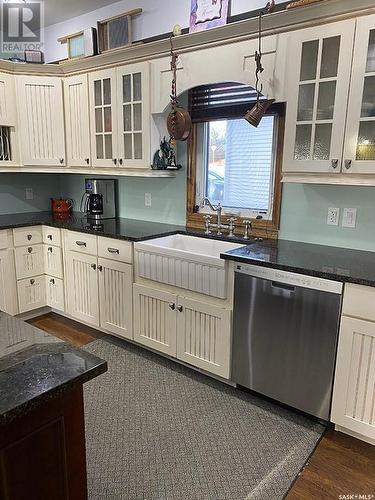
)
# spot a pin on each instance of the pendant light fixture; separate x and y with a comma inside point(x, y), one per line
point(254, 115)
point(179, 120)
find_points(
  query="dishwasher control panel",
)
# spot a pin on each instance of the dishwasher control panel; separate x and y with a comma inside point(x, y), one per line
point(294, 279)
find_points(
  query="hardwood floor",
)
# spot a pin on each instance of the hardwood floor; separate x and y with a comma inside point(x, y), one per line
point(66, 329)
point(340, 465)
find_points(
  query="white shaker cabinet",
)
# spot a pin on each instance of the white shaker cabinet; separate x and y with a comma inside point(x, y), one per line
point(82, 287)
point(359, 144)
point(52, 257)
point(31, 293)
point(115, 297)
point(29, 261)
point(155, 319)
point(77, 121)
point(318, 69)
point(55, 293)
point(8, 115)
point(41, 118)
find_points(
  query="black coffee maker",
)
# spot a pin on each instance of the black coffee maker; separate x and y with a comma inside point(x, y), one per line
point(99, 199)
point(95, 205)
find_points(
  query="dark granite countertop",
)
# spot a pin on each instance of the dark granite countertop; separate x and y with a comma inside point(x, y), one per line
point(340, 264)
point(35, 366)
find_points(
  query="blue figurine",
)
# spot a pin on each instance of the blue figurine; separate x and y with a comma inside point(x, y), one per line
point(165, 158)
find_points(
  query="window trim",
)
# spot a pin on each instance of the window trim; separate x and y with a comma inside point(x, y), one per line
point(263, 228)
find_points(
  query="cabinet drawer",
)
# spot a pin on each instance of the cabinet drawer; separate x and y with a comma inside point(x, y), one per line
point(359, 301)
point(51, 236)
point(31, 293)
point(53, 261)
point(29, 261)
point(81, 242)
point(110, 248)
point(27, 235)
point(4, 242)
point(55, 293)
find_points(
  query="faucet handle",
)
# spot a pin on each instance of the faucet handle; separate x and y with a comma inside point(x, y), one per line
point(207, 222)
point(248, 224)
point(231, 221)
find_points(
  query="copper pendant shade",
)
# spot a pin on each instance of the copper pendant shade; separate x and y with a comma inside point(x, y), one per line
point(254, 115)
point(179, 124)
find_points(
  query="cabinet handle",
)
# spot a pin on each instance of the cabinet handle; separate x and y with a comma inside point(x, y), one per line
point(114, 161)
point(93, 266)
point(120, 161)
point(61, 161)
point(335, 163)
point(87, 160)
point(32, 282)
point(100, 268)
point(49, 237)
point(30, 249)
point(81, 243)
point(348, 164)
point(113, 250)
point(29, 236)
point(172, 306)
point(52, 281)
point(180, 309)
point(50, 249)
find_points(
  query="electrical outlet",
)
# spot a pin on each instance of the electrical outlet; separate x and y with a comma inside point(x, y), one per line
point(29, 194)
point(333, 216)
point(349, 217)
point(148, 200)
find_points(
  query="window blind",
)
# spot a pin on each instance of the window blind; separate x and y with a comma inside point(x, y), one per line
point(220, 100)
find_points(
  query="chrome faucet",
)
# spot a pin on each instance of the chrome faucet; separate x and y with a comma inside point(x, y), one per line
point(218, 209)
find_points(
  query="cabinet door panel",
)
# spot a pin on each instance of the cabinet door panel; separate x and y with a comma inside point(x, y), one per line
point(317, 93)
point(77, 121)
point(354, 389)
point(155, 319)
point(55, 293)
point(82, 287)
point(115, 297)
point(133, 97)
point(8, 291)
point(41, 117)
point(359, 148)
point(103, 113)
point(29, 261)
point(31, 293)
point(204, 336)
point(53, 261)
point(7, 100)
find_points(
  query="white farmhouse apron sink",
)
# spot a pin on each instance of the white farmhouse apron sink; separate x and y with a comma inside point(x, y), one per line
point(185, 261)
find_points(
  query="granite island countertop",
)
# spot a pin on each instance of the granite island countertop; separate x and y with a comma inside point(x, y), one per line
point(35, 366)
point(339, 264)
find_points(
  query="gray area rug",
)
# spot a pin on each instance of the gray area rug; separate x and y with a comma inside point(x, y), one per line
point(159, 431)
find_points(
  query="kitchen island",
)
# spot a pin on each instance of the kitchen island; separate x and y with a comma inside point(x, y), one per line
point(42, 433)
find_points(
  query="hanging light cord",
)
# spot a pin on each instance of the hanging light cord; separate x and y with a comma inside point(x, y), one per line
point(174, 58)
point(258, 53)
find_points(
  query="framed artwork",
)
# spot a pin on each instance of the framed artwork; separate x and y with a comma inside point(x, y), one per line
point(206, 14)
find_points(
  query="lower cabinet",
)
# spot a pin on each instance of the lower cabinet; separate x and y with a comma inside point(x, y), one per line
point(31, 293)
point(194, 332)
point(115, 297)
point(82, 298)
point(354, 390)
point(55, 293)
point(53, 260)
point(29, 261)
point(8, 287)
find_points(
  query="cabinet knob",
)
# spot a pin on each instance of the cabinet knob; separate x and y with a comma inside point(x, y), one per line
point(61, 161)
point(93, 266)
point(120, 161)
point(87, 160)
point(334, 163)
point(52, 281)
point(172, 306)
point(348, 164)
point(30, 249)
point(49, 237)
point(29, 236)
point(32, 282)
point(50, 249)
point(100, 268)
point(180, 308)
point(114, 161)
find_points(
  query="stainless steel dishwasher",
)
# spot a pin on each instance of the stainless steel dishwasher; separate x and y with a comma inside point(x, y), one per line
point(285, 336)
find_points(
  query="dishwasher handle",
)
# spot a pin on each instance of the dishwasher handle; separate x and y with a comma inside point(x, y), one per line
point(283, 286)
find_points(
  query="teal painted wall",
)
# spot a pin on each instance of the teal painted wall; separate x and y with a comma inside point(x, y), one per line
point(12, 192)
point(304, 215)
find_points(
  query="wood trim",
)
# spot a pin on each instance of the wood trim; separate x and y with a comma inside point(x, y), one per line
point(260, 228)
point(129, 13)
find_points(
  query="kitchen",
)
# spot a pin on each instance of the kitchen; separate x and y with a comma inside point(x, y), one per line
point(224, 278)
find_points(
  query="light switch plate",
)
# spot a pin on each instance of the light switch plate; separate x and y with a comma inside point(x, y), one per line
point(148, 200)
point(29, 195)
point(349, 217)
point(333, 216)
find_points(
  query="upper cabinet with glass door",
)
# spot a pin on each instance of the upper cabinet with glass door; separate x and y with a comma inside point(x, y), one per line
point(103, 118)
point(133, 94)
point(318, 85)
point(359, 148)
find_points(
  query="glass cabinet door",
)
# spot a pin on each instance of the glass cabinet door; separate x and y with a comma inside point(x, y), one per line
point(317, 97)
point(359, 151)
point(134, 115)
point(102, 108)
